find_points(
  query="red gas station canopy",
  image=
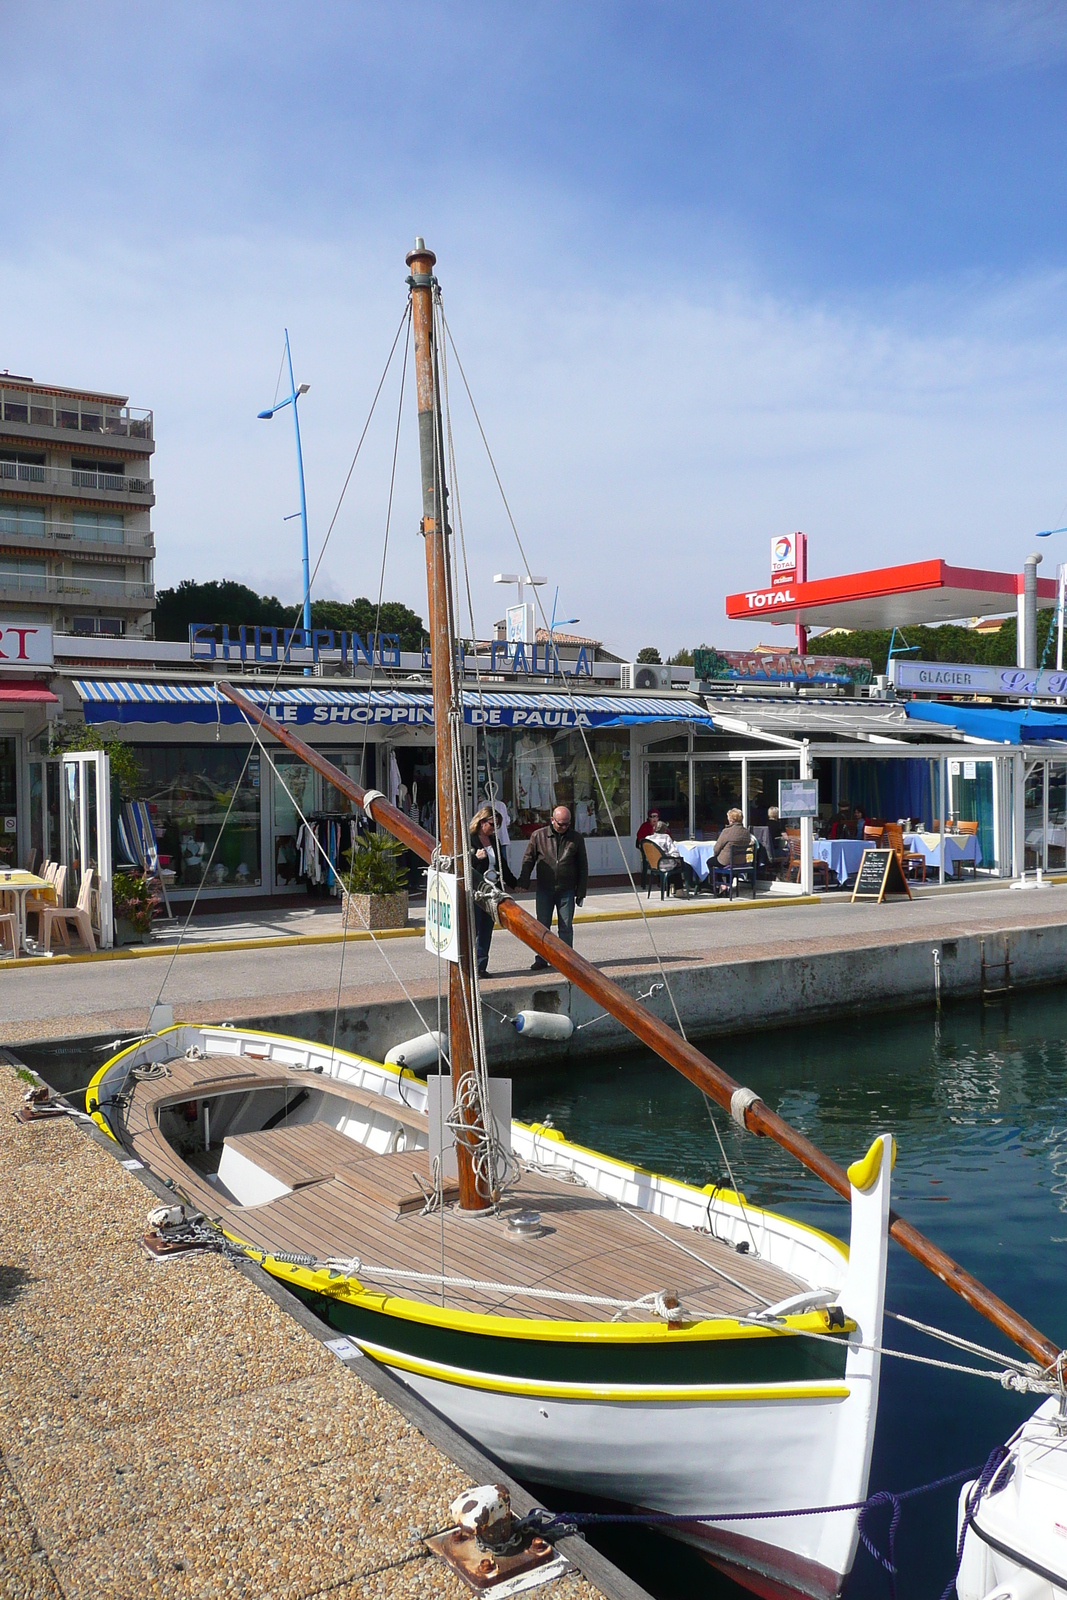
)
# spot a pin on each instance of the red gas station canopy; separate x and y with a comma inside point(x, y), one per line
point(922, 591)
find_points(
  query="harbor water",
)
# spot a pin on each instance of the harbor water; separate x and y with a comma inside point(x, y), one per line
point(977, 1100)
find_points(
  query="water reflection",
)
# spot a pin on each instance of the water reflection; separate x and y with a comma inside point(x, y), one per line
point(977, 1099)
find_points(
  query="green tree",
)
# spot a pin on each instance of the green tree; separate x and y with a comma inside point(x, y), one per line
point(235, 603)
point(223, 601)
point(360, 616)
point(649, 653)
point(949, 642)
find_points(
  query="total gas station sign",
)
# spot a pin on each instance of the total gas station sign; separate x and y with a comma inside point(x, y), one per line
point(789, 559)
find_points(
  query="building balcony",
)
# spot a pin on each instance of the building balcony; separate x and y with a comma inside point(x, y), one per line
point(14, 533)
point(74, 483)
point(31, 411)
point(45, 588)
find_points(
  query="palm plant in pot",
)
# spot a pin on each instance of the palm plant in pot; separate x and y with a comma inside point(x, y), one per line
point(374, 889)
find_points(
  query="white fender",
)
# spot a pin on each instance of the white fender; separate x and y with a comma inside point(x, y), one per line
point(423, 1051)
point(543, 1024)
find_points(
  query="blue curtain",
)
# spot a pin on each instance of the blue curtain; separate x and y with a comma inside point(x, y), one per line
point(888, 789)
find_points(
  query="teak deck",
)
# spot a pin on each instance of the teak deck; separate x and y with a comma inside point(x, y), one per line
point(348, 1202)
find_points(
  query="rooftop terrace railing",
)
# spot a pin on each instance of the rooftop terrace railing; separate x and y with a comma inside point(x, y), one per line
point(31, 408)
point(73, 478)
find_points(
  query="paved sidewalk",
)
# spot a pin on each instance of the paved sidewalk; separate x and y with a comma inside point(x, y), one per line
point(62, 1000)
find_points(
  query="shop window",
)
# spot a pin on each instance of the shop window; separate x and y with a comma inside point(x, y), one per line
point(533, 770)
point(1056, 847)
point(188, 789)
point(668, 793)
point(679, 744)
point(717, 790)
point(763, 779)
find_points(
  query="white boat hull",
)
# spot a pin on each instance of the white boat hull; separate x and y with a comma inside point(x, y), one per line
point(1016, 1542)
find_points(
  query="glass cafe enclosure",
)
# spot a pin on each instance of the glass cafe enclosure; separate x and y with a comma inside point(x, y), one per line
point(71, 820)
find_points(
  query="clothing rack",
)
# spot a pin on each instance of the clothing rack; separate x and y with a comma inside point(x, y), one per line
point(330, 835)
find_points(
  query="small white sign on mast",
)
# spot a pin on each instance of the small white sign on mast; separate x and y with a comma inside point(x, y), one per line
point(442, 915)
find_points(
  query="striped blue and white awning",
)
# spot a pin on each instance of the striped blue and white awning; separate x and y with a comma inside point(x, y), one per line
point(324, 707)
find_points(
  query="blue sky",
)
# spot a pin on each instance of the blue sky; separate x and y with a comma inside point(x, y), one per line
point(715, 272)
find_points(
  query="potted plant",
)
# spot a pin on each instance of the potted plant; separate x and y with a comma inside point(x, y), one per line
point(374, 889)
point(132, 907)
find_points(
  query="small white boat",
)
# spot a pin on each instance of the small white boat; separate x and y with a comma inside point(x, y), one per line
point(1015, 1544)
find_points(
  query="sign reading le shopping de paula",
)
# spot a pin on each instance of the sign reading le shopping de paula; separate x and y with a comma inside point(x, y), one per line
point(271, 646)
point(771, 666)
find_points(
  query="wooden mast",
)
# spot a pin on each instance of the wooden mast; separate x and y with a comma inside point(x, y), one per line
point(462, 999)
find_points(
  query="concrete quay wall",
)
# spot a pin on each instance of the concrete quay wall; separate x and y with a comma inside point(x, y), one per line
point(723, 997)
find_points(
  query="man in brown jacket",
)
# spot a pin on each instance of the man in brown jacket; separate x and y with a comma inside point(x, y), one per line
point(558, 854)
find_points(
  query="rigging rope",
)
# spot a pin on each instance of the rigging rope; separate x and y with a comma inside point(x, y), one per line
point(568, 690)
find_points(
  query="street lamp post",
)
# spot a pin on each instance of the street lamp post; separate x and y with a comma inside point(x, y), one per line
point(292, 399)
point(1060, 596)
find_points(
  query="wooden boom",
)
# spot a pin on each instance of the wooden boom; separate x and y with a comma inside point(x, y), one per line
point(673, 1049)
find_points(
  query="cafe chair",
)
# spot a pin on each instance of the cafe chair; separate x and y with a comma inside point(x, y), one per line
point(31, 859)
point(819, 869)
point(745, 872)
point(665, 869)
point(967, 830)
point(873, 831)
point(912, 862)
point(79, 915)
point(9, 932)
point(37, 904)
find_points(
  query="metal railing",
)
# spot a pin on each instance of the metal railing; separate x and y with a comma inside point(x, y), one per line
point(104, 589)
point(80, 416)
point(73, 478)
point(16, 527)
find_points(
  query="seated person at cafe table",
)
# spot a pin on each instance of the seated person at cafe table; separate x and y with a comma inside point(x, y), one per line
point(776, 827)
point(663, 841)
point(645, 831)
point(732, 845)
point(842, 827)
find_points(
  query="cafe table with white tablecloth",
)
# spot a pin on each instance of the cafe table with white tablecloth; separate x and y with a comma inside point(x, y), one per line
point(842, 856)
point(697, 853)
point(15, 886)
point(958, 847)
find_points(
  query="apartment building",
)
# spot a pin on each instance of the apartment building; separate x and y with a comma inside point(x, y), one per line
point(76, 546)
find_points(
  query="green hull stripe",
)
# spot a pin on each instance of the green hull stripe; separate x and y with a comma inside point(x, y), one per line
point(772, 1360)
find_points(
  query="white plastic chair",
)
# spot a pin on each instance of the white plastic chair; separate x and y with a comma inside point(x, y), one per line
point(79, 915)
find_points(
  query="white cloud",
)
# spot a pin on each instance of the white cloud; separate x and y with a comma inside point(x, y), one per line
point(651, 437)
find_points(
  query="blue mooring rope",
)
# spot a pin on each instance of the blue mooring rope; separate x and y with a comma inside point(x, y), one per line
point(559, 1524)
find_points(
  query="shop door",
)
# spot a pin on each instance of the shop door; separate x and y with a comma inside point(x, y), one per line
point(9, 789)
point(294, 790)
point(85, 832)
point(45, 778)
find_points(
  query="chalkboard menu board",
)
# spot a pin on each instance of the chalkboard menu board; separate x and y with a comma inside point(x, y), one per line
point(880, 874)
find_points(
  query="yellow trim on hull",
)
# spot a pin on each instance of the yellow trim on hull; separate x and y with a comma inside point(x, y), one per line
point(547, 1329)
point(536, 1389)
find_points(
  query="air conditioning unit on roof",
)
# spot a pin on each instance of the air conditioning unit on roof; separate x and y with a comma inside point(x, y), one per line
point(644, 675)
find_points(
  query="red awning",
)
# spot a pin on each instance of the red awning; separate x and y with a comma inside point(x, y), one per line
point(922, 591)
point(27, 691)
